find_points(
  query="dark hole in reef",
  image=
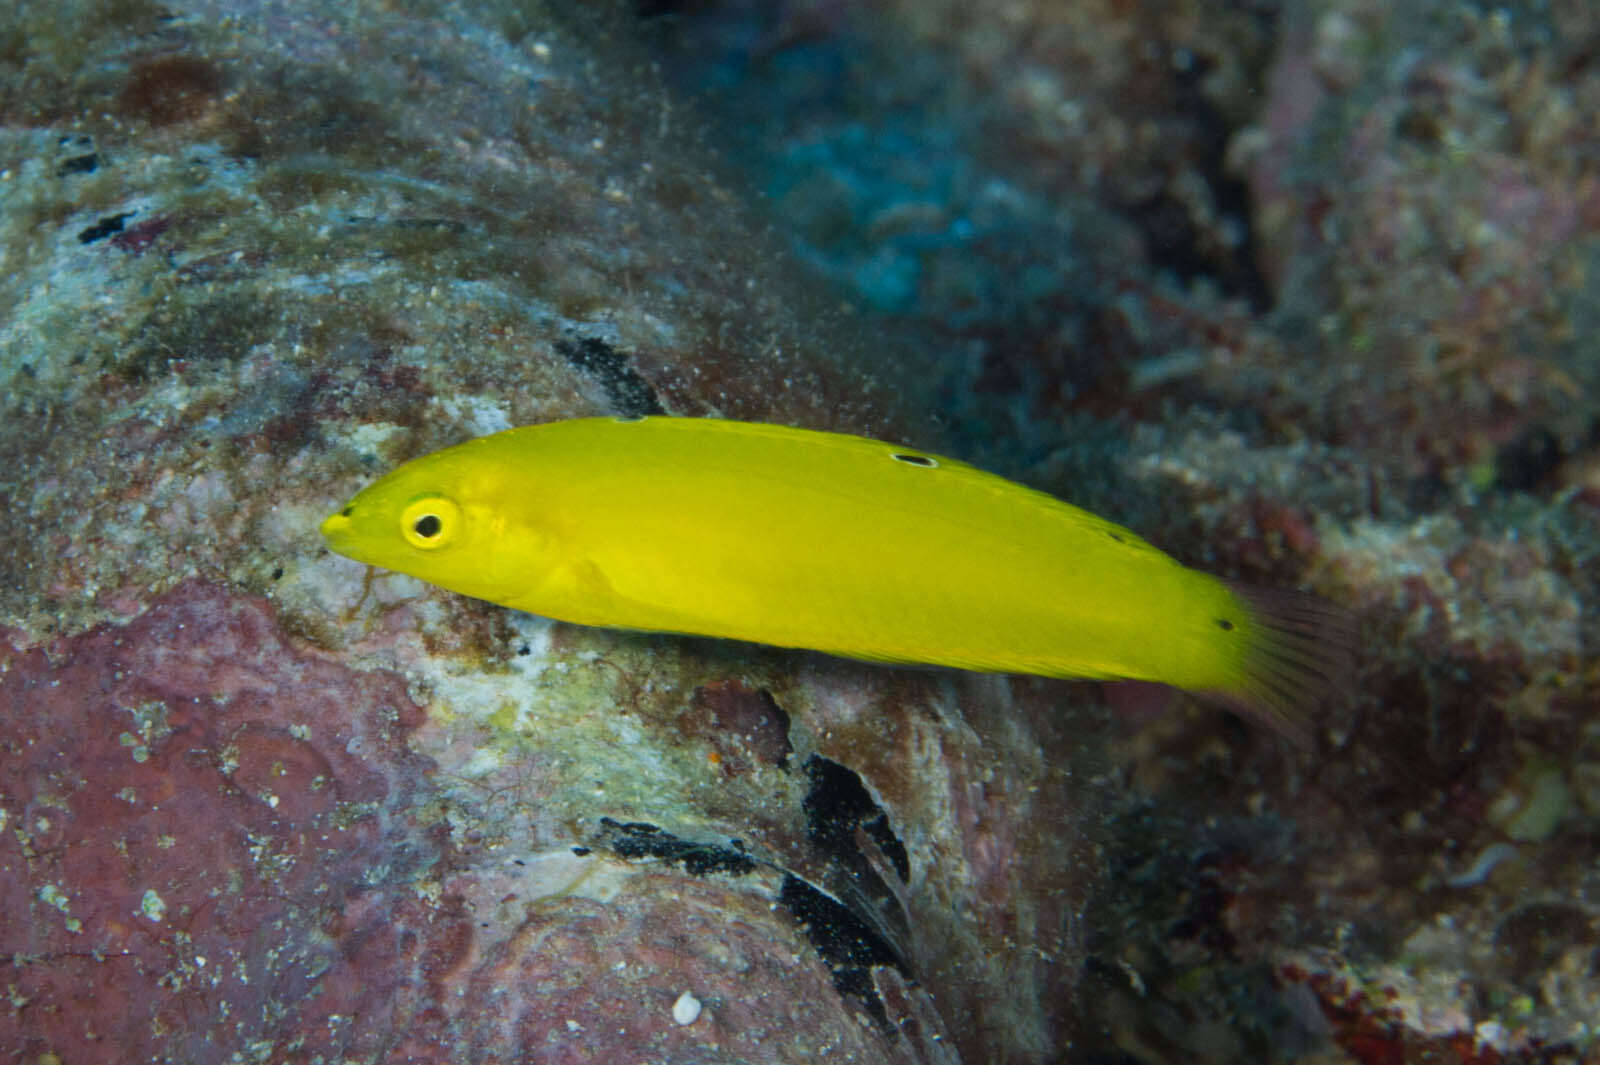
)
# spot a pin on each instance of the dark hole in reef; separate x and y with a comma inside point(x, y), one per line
point(1175, 238)
point(428, 526)
point(1529, 461)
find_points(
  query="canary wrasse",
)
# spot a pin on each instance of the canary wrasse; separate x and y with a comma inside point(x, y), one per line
point(835, 543)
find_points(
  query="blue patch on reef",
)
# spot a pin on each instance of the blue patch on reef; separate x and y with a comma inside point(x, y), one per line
point(878, 182)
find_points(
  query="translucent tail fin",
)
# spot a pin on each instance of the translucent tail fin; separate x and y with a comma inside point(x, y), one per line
point(1300, 654)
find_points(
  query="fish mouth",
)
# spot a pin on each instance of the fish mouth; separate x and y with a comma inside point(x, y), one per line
point(336, 529)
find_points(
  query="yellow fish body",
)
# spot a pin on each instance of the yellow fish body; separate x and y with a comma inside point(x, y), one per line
point(825, 541)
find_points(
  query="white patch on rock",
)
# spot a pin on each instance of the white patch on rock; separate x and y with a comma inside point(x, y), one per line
point(687, 1009)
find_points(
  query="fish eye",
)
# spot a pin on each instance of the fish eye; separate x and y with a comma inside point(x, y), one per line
point(430, 522)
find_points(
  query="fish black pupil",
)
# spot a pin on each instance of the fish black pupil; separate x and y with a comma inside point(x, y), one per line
point(346, 512)
point(428, 526)
point(1224, 624)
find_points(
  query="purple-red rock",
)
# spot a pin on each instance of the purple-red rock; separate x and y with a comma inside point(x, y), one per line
point(211, 837)
point(220, 843)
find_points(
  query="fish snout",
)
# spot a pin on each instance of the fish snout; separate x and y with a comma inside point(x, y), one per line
point(336, 528)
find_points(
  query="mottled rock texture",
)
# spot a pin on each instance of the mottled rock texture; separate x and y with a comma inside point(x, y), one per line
point(212, 844)
point(260, 804)
point(219, 844)
point(1309, 288)
point(1304, 292)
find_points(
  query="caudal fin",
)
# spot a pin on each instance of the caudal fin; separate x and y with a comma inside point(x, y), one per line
point(1299, 654)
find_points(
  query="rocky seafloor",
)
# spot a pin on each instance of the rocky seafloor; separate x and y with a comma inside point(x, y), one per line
point(1303, 292)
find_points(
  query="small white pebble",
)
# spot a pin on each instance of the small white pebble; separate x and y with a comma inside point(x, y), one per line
point(687, 1009)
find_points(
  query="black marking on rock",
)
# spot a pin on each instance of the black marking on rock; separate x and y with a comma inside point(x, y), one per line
point(629, 393)
point(79, 164)
point(837, 805)
point(107, 226)
point(640, 839)
point(853, 936)
point(846, 942)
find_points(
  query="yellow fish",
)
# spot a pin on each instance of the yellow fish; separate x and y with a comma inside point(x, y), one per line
point(831, 542)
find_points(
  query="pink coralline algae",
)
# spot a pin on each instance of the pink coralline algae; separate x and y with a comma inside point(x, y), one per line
point(219, 845)
point(205, 849)
point(585, 982)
